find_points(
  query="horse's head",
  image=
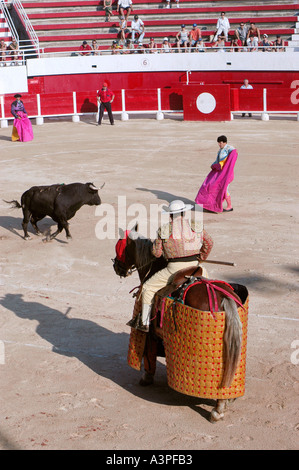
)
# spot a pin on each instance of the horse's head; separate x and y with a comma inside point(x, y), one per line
point(125, 261)
point(133, 252)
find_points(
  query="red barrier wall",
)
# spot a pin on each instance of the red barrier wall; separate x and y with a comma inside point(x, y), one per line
point(206, 103)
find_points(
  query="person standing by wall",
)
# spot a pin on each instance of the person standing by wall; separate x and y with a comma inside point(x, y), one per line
point(246, 86)
point(105, 97)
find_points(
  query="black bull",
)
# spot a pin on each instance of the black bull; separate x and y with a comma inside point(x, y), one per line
point(58, 201)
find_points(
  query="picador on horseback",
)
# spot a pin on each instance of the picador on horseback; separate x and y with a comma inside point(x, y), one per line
point(198, 324)
point(182, 244)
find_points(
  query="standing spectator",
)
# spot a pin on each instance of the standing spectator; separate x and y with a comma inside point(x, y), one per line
point(222, 26)
point(182, 38)
point(152, 47)
point(124, 7)
point(246, 86)
point(137, 26)
point(267, 45)
point(94, 47)
point(85, 48)
point(176, 1)
point(253, 37)
point(278, 44)
point(241, 33)
point(123, 29)
point(166, 46)
point(108, 9)
point(3, 51)
point(194, 36)
point(14, 51)
point(105, 97)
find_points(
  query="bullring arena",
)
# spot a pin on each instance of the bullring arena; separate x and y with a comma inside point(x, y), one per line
point(65, 382)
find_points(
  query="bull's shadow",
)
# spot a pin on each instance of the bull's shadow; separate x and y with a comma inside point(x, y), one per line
point(100, 349)
point(14, 225)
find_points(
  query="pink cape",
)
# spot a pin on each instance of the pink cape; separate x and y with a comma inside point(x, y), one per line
point(214, 188)
point(24, 127)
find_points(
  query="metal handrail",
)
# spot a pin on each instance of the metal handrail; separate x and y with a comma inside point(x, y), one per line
point(3, 7)
point(27, 24)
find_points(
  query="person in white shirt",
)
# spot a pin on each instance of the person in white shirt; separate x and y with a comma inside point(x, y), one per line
point(176, 1)
point(166, 46)
point(246, 86)
point(222, 26)
point(137, 26)
point(124, 7)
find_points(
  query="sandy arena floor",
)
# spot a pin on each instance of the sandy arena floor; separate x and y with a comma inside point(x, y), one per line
point(65, 383)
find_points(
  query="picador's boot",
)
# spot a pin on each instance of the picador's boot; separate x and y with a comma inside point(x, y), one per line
point(145, 318)
point(229, 207)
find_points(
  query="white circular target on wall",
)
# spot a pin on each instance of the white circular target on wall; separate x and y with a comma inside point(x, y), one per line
point(205, 103)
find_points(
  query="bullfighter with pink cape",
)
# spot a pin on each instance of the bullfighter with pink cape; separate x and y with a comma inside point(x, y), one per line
point(22, 128)
point(214, 189)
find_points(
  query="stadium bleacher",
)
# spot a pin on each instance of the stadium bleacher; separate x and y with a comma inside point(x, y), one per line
point(63, 25)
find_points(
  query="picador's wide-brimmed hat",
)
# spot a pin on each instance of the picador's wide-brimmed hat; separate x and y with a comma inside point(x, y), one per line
point(176, 206)
point(18, 96)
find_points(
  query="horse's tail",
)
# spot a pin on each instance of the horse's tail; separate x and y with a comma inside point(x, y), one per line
point(15, 204)
point(232, 340)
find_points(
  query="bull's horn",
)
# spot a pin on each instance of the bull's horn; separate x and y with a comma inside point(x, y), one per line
point(92, 186)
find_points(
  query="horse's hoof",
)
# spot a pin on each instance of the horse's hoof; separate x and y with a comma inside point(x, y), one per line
point(146, 379)
point(27, 237)
point(215, 416)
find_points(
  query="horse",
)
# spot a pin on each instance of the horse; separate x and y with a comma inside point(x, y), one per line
point(199, 293)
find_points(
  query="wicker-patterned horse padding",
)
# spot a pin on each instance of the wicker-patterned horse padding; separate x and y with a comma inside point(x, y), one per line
point(193, 343)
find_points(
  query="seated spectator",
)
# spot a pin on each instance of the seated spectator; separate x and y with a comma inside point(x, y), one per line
point(137, 27)
point(107, 5)
point(123, 29)
point(176, 1)
point(220, 44)
point(3, 51)
point(182, 38)
point(152, 47)
point(200, 46)
point(124, 8)
point(278, 44)
point(140, 48)
point(267, 45)
point(241, 33)
point(84, 49)
point(14, 51)
point(115, 48)
point(128, 47)
point(166, 46)
point(236, 44)
point(194, 36)
point(94, 47)
point(222, 26)
point(253, 37)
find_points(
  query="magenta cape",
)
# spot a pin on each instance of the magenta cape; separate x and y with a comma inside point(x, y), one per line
point(214, 188)
point(23, 127)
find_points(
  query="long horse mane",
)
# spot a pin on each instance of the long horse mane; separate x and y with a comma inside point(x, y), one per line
point(143, 245)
